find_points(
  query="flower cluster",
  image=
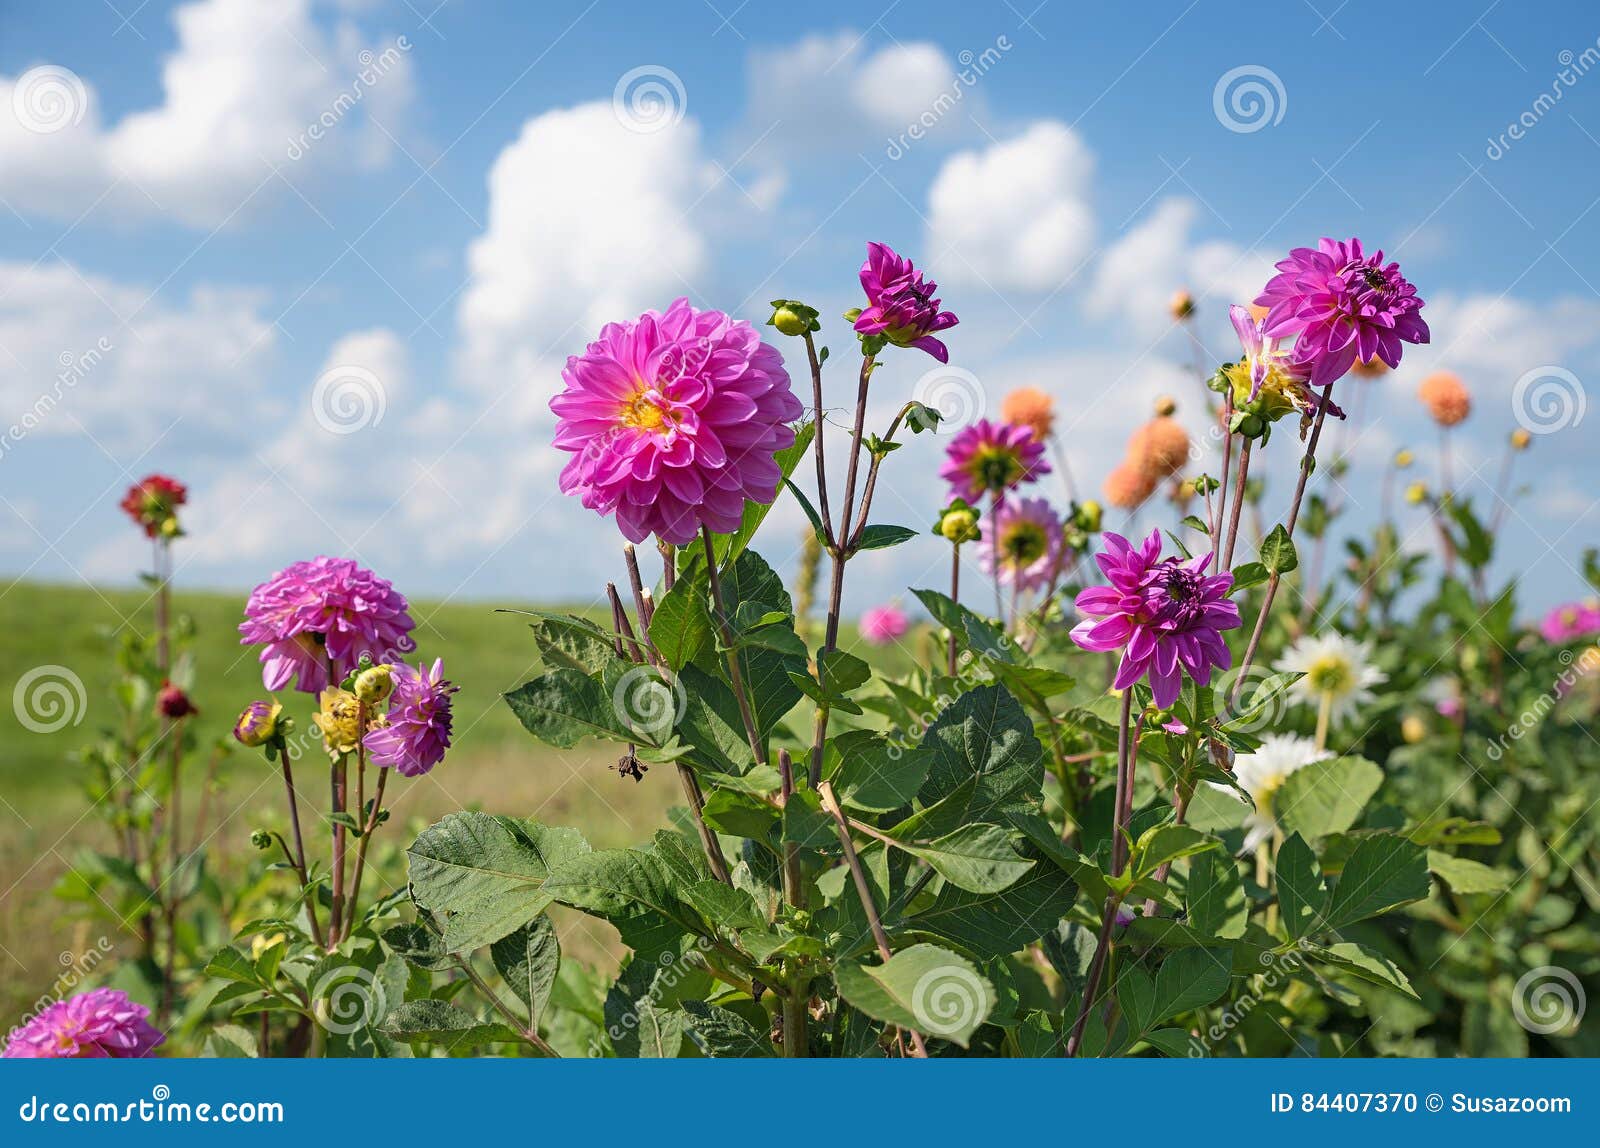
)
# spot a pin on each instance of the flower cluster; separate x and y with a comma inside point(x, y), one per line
point(153, 503)
point(413, 736)
point(101, 1023)
point(315, 619)
point(1166, 615)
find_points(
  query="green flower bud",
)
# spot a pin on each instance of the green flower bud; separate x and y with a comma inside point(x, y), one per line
point(958, 522)
point(374, 684)
point(1087, 517)
point(792, 317)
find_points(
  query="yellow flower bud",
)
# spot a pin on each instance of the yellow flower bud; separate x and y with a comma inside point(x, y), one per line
point(1520, 438)
point(375, 683)
point(1166, 406)
point(339, 721)
point(1413, 729)
point(1403, 459)
point(1416, 494)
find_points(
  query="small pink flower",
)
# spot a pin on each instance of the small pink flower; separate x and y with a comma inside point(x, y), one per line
point(100, 1023)
point(881, 625)
point(1571, 622)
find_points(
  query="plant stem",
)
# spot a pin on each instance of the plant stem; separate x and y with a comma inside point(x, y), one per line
point(338, 779)
point(299, 847)
point(708, 836)
point(955, 597)
point(1108, 917)
point(1222, 489)
point(725, 633)
point(367, 830)
point(1324, 715)
point(525, 1031)
point(817, 427)
point(1238, 504)
point(796, 1041)
point(863, 890)
point(1306, 464)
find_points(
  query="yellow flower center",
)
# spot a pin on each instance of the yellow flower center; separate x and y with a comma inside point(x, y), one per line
point(1025, 544)
point(1331, 674)
point(642, 411)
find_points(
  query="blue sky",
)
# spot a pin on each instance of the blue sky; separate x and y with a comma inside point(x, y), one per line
point(482, 198)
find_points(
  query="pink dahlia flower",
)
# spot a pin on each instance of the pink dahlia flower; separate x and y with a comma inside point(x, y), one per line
point(417, 729)
point(992, 458)
point(99, 1023)
point(1344, 305)
point(1023, 546)
point(900, 305)
point(672, 421)
point(1166, 615)
point(1572, 622)
point(881, 625)
point(325, 610)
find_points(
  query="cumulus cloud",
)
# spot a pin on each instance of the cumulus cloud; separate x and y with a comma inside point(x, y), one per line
point(244, 86)
point(836, 92)
point(1015, 214)
point(588, 222)
point(1137, 275)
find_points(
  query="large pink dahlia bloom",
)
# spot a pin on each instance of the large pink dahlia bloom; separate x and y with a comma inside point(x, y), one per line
point(1023, 545)
point(672, 421)
point(99, 1023)
point(416, 731)
point(1166, 615)
point(327, 609)
point(1344, 305)
point(992, 458)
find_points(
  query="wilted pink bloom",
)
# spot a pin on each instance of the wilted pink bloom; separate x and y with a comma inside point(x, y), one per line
point(1571, 622)
point(326, 610)
point(417, 729)
point(992, 458)
point(100, 1023)
point(672, 421)
point(1165, 615)
point(900, 305)
point(1344, 305)
point(881, 625)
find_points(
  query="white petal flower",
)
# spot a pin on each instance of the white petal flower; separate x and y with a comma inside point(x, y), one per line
point(1261, 773)
point(1334, 666)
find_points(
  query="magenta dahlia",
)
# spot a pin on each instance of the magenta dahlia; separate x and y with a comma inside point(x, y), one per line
point(1023, 545)
point(416, 731)
point(1166, 615)
point(1571, 622)
point(992, 458)
point(99, 1023)
point(900, 304)
point(881, 625)
point(327, 610)
point(672, 421)
point(1344, 305)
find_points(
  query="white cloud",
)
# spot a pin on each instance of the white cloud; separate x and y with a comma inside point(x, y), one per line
point(1016, 214)
point(243, 86)
point(82, 351)
point(835, 92)
point(1138, 274)
point(589, 223)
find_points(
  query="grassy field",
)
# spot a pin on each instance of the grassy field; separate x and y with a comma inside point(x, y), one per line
point(494, 765)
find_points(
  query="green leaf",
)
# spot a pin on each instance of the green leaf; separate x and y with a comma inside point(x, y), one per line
point(996, 924)
point(977, 858)
point(985, 740)
point(1384, 872)
point(1302, 896)
point(872, 775)
point(721, 1032)
point(882, 536)
point(1277, 552)
point(1326, 796)
point(1163, 843)
point(528, 961)
point(1248, 574)
point(927, 988)
point(1215, 895)
point(635, 890)
point(805, 505)
point(1191, 978)
point(1366, 964)
point(439, 1022)
point(805, 824)
point(572, 642)
point(1464, 875)
point(488, 874)
point(564, 706)
point(681, 628)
